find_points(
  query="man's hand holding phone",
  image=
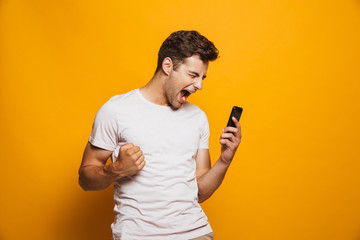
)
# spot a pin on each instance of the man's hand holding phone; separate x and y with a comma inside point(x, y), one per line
point(231, 137)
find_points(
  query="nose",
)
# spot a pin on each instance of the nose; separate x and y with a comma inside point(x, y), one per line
point(198, 84)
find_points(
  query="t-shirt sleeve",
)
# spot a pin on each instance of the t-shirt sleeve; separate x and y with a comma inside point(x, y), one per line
point(105, 128)
point(205, 133)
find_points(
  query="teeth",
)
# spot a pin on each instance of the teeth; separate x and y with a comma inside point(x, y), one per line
point(183, 98)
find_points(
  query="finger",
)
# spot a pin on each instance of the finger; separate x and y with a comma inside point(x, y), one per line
point(238, 134)
point(133, 150)
point(225, 141)
point(228, 136)
point(141, 165)
point(237, 124)
point(230, 129)
point(238, 127)
point(137, 155)
point(230, 145)
point(140, 160)
point(126, 146)
point(232, 142)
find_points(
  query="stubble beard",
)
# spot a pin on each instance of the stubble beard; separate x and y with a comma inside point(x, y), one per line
point(174, 104)
point(172, 100)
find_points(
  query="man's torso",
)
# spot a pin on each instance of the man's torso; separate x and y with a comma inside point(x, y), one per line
point(161, 200)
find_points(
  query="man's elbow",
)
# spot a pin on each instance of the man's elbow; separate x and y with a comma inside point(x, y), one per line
point(202, 197)
point(84, 181)
point(82, 184)
point(81, 180)
point(201, 200)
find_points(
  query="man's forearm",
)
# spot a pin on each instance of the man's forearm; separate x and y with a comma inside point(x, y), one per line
point(95, 178)
point(210, 181)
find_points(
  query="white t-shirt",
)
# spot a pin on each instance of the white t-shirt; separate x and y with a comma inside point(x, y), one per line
point(160, 201)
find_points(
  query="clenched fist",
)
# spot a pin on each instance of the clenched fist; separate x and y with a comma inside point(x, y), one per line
point(129, 161)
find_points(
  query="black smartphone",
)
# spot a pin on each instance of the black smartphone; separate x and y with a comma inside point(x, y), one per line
point(235, 112)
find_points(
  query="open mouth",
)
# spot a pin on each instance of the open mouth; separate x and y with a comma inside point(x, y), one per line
point(184, 94)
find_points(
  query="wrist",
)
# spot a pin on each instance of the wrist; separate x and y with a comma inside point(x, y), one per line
point(226, 159)
point(226, 163)
point(110, 172)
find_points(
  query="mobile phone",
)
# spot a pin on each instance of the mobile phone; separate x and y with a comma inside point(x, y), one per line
point(235, 112)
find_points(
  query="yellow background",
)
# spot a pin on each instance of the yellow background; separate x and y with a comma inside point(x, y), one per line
point(294, 66)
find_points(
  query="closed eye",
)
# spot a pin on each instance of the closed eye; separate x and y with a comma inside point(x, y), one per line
point(193, 74)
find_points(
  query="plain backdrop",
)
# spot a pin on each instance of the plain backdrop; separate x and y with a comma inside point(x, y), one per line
point(294, 66)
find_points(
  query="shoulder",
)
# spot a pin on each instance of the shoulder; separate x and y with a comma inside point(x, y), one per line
point(118, 101)
point(114, 105)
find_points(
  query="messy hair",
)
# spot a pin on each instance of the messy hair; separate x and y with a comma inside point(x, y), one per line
point(183, 44)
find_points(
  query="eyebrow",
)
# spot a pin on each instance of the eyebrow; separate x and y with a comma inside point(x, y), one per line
point(196, 74)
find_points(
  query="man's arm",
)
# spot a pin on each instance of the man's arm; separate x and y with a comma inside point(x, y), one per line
point(94, 174)
point(209, 178)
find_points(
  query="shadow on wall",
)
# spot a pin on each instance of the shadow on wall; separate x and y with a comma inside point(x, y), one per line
point(87, 215)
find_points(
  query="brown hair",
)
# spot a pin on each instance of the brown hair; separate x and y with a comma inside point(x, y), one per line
point(183, 44)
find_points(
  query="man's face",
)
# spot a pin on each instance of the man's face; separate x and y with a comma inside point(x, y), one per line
point(185, 80)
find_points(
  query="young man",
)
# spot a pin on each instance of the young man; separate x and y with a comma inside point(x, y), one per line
point(155, 124)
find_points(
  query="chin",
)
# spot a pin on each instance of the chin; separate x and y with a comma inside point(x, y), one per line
point(175, 106)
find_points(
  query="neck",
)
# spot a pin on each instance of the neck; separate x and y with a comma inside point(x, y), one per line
point(154, 89)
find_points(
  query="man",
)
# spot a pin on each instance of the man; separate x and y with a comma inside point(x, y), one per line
point(157, 126)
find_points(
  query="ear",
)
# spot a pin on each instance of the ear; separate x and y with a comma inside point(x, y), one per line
point(167, 65)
